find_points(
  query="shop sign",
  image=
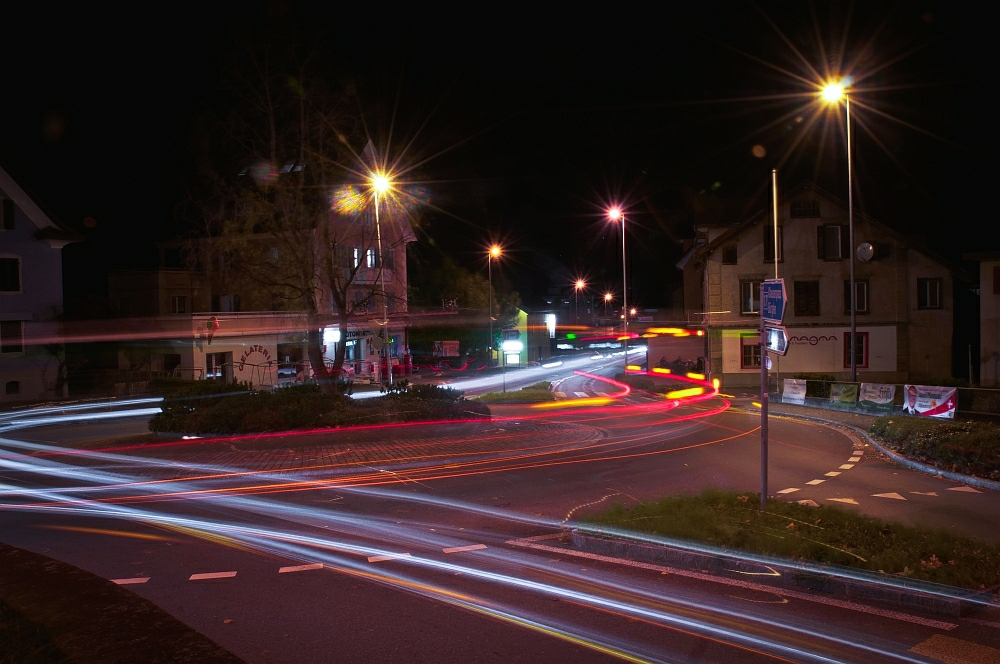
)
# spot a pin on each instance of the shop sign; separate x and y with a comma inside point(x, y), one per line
point(256, 348)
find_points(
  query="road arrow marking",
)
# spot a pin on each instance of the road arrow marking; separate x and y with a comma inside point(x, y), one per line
point(212, 575)
point(128, 582)
point(965, 489)
point(300, 568)
point(894, 496)
point(460, 549)
point(849, 501)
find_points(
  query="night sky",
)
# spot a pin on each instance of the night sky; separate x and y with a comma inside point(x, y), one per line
point(526, 125)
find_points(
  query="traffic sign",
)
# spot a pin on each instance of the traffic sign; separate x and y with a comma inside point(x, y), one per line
point(776, 340)
point(773, 301)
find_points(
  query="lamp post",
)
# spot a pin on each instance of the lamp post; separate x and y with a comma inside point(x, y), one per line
point(607, 299)
point(832, 93)
point(380, 185)
point(580, 285)
point(615, 214)
point(493, 253)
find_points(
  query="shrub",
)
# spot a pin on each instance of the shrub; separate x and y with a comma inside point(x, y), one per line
point(972, 448)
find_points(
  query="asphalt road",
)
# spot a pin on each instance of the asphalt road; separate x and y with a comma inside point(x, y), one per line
point(443, 543)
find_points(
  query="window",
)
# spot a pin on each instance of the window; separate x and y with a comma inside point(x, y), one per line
point(10, 275)
point(356, 261)
point(806, 298)
point(861, 290)
point(749, 351)
point(729, 255)
point(11, 337)
point(13, 387)
point(833, 242)
point(769, 243)
point(749, 297)
point(8, 214)
point(229, 303)
point(370, 258)
point(178, 304)
point(801, 209)
point(860, 350)
point(928, 293)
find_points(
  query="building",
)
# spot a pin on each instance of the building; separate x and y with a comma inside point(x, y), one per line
point(988, 357)
point(32, 363)
point(905, 295)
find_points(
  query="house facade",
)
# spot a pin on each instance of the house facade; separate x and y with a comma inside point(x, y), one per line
point(32, 363)
point(905, 307)
point(988, 358)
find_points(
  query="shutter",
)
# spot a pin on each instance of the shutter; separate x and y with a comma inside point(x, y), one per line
point(821, 242)
point(845, 242)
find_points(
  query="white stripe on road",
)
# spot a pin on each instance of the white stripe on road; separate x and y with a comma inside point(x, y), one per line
point(849, 501)
point(894, 496)
point(392, 556)
point(300, 568)
point(966, 489)
point(854, 459)
point(211, 575)
point(815, 482)
point(129, 582)
point(788, 491)
point(560, 395)
point(833, 473)
point(847, 466)
point(581, 394)
point(460, 549)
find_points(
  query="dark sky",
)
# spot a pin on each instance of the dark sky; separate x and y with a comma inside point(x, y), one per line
point(534, 122)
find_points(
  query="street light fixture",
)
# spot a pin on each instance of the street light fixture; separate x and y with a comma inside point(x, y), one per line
point(494, 252)
point(833, 93)
point(579, 286)
point(381, 184)
point(616, 214)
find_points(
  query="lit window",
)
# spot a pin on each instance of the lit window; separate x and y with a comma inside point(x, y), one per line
point(357, 257)
point(370, 258)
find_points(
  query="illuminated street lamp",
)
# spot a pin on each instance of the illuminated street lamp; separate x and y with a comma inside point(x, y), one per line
point(833, 93)
point(579, 286)
point(494, 252)
point(616, 214)
point(381, 184)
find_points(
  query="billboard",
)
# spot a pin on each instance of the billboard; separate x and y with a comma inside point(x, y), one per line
point(445, 349)
point(930, 401)
point(876, 398)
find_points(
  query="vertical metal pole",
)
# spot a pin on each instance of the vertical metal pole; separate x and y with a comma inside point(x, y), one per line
point(624, 296)
point(774, 200)
point(850, 222)
point(385, 299)
point(489, 270)
point(763, 406)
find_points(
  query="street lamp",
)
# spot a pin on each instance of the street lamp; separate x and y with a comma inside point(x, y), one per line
point(832, 93)
point(615, 214)
point(381, 184)
point(579, 286)
point(492, 254)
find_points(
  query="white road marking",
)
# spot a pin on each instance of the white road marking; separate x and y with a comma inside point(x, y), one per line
point(561, 395)
point(129, 582)
point(212, 575)
point(581, 394)
point(965, 489)
point(788, 491)
point(807, 503)
point(392, 556)
point(854, 459)
point(600, 394)
point(849, 501)
point(847, 466)
point(894, 496)
point(833, 473)
point(460, 549)
point(300, 568)
point(925, 493)
point(530, 542)
point(815, 482)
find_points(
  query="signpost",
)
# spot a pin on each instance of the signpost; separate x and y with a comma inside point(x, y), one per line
point(772, 338)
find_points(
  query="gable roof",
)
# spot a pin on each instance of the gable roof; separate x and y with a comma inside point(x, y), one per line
point(764, 215)
point(50, 229)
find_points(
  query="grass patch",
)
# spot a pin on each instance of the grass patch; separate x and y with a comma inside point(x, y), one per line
point(530, 394)
point(971, 448)
point(305, 407)
point(822, 534)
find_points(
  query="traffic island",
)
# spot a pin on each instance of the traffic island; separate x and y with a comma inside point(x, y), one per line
point(53, 612)
point(822, 549)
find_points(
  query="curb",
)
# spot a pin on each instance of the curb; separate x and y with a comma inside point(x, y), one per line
point(980, 482)
point(799, 577)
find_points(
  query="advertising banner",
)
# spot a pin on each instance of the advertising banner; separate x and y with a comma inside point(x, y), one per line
point(794, 391)
point(843, 394)
point(876, 398)
point(445, 349)
point(930, 401)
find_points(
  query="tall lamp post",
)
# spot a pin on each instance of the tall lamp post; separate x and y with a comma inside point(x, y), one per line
point(492, 254)
point(616, 214)
point(380, 185)
point(833, 93)
point(607, 298)
point(579, 286)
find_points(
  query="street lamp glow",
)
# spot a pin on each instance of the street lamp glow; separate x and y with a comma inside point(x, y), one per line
point(632, 311)
point(607, 297)
point(833, 92)
point(580, 284)
point(495, 251)
point(380, 183)
point(615, 213)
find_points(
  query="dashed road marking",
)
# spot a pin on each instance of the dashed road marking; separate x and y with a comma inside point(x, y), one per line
point(894, 496)
point(925, 493)
point(561, 395)
point(833, 473)
point(793, 490)
point(300, 568)
point(965, 489)
point(815, 482)
point(581, 394)
point(847, 466)
point(132, 581)
point(211, 575)
point(849, 501)
point(854, 459)
point(391, 556)
point(460, 549)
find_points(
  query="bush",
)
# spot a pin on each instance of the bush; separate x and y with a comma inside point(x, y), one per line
point(531, 394)
point(971, 448)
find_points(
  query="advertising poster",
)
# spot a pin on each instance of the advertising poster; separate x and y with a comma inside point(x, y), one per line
point(877, 398)
point(844, 394)
point(445, 349)
point(930, 401)
point(794, 391)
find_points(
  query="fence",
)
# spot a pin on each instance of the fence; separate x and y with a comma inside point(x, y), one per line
point(971, 401)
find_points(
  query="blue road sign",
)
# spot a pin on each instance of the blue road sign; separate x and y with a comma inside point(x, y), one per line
point(773, 300)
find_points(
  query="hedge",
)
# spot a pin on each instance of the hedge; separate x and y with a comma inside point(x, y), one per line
point(970, 448)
